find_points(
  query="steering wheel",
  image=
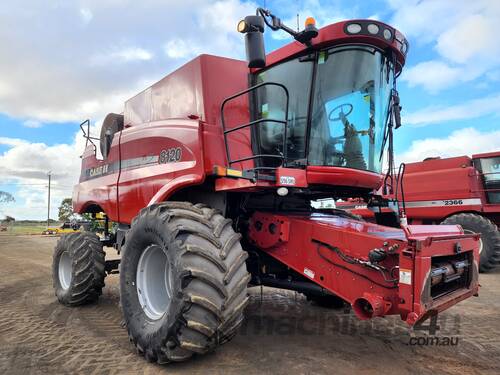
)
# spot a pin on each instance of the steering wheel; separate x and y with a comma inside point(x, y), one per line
point(340, 109)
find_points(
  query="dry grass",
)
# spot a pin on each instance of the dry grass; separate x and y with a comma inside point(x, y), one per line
point(24, 229)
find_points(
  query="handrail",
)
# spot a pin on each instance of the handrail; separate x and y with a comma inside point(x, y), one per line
point(251, 123)
point(255, 122)
point(86, 134)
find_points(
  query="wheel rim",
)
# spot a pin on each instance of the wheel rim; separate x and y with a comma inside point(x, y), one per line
point(468, 231)
point(154, 280)
point(65, 268)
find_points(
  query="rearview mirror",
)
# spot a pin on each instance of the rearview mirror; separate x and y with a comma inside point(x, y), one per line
point(253, 27)
point(396, 108)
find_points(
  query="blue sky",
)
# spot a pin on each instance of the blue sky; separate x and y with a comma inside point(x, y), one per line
point(62, 62)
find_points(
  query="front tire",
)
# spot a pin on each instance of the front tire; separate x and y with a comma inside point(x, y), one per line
point(183, 281)
point(78, 268)
point(490, 237)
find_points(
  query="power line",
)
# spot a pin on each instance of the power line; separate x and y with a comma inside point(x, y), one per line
point(26, 183)
point(23, 184)
point(48, 203)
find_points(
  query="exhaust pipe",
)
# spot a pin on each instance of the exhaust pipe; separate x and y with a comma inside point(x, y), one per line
point(370, 306)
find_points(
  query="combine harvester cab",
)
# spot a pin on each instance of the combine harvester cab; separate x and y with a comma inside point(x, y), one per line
point(210, 175)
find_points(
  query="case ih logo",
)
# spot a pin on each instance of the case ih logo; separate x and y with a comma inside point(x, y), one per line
point(98, 171)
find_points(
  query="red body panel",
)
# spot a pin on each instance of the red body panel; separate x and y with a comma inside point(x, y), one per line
point(138, 171)
point(195, 89)
point(153, 182)
point(307, 253)
point(437, 188)
point(342, 176)
point(98, 184)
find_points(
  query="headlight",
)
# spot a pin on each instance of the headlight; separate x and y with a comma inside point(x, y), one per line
point(373, 29)
point(387, 34)
point(242, 27)
point(353, 28)
point(404, 47)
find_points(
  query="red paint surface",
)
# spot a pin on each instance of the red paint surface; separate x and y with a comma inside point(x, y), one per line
point(417, 245)
point(441, 180)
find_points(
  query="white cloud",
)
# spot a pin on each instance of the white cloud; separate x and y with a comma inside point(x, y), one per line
point(122, 55)
point(12, 141)
point(465, 141)
point(462, 32)
point(180, 49)
point(86, 15)
point(25, 166)
point(56, 69)
point(33, 124)
point(425, 20)
point(464, 111)
point(432, 75)
point(470, 37)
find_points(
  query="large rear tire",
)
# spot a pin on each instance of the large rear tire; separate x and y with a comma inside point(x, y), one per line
point(78, 268)
point(183, 281)
point(490, 237)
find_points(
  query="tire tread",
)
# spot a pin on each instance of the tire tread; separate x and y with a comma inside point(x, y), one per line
point(205, 241)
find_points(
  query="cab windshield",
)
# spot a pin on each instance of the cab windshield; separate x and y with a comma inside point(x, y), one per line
point(339, 119)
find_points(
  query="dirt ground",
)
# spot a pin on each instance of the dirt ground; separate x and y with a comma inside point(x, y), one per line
point(283, 333)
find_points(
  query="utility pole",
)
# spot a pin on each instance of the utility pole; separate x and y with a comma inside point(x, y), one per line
point(48, 202)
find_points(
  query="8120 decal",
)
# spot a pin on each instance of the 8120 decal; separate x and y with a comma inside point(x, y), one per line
point(170, 155)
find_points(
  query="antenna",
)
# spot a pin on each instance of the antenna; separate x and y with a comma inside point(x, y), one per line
point(298, 21)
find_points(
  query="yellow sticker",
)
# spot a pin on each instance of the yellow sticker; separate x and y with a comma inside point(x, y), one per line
point(322, 57)
point(234, 173)
point(265, 110)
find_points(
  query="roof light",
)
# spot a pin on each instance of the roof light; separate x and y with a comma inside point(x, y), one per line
point(387, 34)
point(353, 28)
point(242, 27)
point(373, 28)
point(404, 47)
point(310, 21)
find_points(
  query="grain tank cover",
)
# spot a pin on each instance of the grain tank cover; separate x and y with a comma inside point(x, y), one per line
point(195, 89)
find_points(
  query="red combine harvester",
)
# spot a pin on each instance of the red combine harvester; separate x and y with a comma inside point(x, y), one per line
point(458, 190)
point(210, 173)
